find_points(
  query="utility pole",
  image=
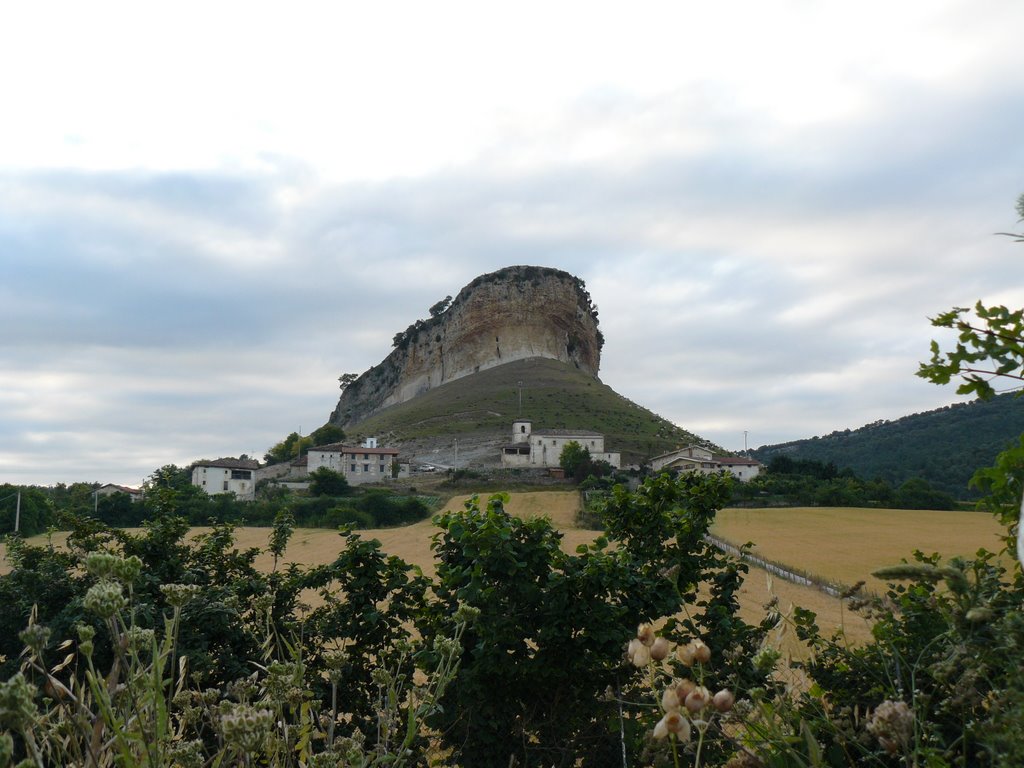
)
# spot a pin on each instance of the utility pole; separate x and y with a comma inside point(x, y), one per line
point(520, 397)
point(17, 513)
point(456, 453)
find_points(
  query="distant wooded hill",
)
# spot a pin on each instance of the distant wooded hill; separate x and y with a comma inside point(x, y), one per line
point(944, 446)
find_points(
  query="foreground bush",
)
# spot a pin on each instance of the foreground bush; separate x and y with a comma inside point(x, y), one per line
point(145, 709)
point(143, 650)
point(164, 649)
point(542, 679)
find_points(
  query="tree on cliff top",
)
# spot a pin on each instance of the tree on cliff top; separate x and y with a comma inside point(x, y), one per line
point(441, 307)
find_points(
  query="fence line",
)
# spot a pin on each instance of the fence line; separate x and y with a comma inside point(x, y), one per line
point(776, 569)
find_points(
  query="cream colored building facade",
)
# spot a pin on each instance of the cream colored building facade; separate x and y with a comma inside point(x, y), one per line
point(237, 476)
point(543, 448)
point(359, 464)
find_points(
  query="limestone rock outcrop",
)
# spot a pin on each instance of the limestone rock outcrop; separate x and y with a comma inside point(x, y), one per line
point(513, 314)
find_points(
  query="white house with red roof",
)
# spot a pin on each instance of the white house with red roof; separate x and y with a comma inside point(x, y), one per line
point(697, 458)
point(740, 467)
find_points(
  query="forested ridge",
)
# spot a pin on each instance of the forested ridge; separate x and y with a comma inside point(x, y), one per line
point(944, 446)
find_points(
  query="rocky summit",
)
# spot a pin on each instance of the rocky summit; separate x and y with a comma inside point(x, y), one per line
point(516, 313)
point(519, 343)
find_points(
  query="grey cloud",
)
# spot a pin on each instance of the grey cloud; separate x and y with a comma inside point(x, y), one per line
point(736, 284)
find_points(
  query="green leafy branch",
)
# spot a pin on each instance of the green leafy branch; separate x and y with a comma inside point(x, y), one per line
point(995, 340)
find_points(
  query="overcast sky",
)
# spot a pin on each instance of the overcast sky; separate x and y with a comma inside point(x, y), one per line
point(209, 211)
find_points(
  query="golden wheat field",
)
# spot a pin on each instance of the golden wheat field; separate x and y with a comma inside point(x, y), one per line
point(838, 544)
point(846, 545)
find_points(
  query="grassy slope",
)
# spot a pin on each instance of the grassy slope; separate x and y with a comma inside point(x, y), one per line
point(554, 395)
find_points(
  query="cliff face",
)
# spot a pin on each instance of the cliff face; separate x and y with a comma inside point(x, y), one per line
point(512, 314)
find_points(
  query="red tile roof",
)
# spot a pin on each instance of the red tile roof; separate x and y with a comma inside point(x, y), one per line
point(229, 464)
point(342, 448)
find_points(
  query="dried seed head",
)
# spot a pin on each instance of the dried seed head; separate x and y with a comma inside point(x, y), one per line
point(684, 687)
point(698, 698)
point(723, 700)
point(631, 649)
point(674, 723)
point(701, 652)
point(685, 654)
point(670, 700)
point(892, 723)
point(660, 648)
point(638, 653)
point(645, 634)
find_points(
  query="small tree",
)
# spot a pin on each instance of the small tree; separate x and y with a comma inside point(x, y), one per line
point(283, 451)
point(328, 433)
point(441, 306)
point(575, 460)
point(327, 482)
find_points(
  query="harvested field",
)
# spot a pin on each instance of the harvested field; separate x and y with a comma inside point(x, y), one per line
point(845, 544)
point(313, 546)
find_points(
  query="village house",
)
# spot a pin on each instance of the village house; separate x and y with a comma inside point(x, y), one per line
point(366, 463)
point(226, 476)
point(740, 467)
point(110, 489)
point(696, 458)
point(543, 448)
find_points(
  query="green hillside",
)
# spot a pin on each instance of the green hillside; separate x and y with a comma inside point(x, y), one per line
point(554, 396)
point(944, 446)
